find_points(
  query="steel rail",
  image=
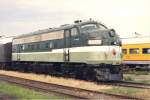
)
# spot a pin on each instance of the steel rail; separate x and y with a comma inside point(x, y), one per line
point(126, 84)
point(7, 97)
point(72, 91)
point(134, 85)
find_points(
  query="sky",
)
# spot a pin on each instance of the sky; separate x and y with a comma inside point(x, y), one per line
point(125, 16)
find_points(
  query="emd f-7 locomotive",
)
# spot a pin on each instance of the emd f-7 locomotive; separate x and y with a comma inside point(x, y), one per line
point(85, 50)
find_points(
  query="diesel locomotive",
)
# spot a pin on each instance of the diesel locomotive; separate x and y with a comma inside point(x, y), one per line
point(83, 50)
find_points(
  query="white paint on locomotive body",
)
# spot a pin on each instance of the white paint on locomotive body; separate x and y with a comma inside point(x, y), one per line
point(86, 54)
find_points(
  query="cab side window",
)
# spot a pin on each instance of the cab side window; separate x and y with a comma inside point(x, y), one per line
point(75, 37)
point(74, 32)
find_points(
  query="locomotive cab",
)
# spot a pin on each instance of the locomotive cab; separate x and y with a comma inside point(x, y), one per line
point(103, 50)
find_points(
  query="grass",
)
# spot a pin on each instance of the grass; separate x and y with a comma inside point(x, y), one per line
point(122, 90)
point(139, 93)
point(144, 81)
point(139, 72)
point(137, 78)
point(57, 80)
point(88, 85)
point(23, 93)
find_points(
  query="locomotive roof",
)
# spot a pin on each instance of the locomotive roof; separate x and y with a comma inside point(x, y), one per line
point(62, 27)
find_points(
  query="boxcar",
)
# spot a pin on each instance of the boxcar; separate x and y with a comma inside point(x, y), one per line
point(5, 51)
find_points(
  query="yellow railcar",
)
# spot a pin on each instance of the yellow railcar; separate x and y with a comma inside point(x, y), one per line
point(137, 53)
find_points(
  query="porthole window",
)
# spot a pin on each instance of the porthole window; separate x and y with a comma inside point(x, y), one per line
point(32, 47)
point(134, 51)
point(29, 46)
point(46, 45)
point(38, 46)
point(51, 45)
point(146, 50)
point(22, 47)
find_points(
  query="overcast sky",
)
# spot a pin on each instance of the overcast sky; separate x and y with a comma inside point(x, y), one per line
point(24, 16)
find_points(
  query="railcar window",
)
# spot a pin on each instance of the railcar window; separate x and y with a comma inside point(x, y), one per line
point(146, 50)
point(124, 51)
point(134, 51)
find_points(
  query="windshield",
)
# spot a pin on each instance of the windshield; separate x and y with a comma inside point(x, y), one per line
point(88, 27)
point(101, 26)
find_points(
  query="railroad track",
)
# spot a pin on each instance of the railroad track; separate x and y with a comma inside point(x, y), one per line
point(128, 84)
point(7, 97)
point(75, 92)
point(133, 84)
